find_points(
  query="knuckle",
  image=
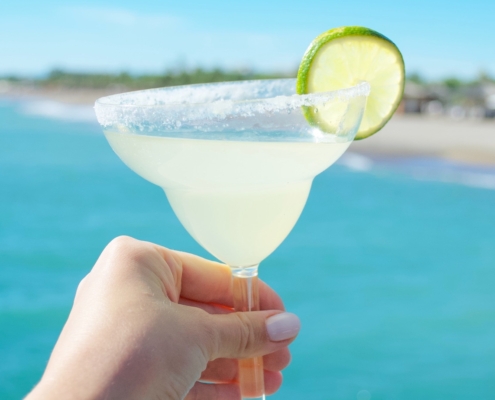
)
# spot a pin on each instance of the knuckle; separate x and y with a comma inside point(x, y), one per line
point(81, 284)
point(246, 333)
point(129, 248)
point(121, 255)
point(174, 264)
point(208, 334)
point(80, 287)
point(121, 246)
point(121, 242)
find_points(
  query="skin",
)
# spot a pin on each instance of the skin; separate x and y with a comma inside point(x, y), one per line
point(149, 323)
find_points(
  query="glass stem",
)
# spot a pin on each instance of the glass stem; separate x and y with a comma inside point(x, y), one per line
point(246, 298)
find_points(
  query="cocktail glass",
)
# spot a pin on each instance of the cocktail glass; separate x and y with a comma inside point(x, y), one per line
point(236, 162)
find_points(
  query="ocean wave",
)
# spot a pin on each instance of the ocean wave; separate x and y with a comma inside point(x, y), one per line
point(356, 162)
point(59, 111)
point(424, 169)
point(481, 180)
point(441, 170)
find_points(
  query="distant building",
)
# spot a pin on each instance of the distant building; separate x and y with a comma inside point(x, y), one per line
point(469, 101)
point(489, 99)
point(478, 100)
point(420, 99)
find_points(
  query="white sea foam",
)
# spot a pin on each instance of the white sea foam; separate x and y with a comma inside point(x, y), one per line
point(479, 180)
point(482, 180)
point(436, 171)
point(356, 162)
point(60, 111)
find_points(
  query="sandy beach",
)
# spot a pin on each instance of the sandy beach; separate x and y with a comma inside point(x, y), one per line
point(467, 141)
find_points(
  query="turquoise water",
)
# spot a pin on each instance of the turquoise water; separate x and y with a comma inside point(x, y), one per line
point(391, 268)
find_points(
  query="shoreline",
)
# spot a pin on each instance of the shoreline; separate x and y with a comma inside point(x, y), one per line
point(76, 96)
point(466, 141)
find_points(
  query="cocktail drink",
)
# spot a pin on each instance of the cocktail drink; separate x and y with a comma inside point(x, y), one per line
point(236, 162)
point(238, 199)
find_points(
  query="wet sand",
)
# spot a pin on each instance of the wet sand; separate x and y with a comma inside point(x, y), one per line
point(465, 141)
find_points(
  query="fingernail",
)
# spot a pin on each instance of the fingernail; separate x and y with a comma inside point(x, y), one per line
point(283, 326)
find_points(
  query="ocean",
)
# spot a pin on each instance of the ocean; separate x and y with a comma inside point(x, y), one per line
point(391, 266)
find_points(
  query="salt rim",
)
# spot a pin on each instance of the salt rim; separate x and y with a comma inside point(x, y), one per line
point(195, 105)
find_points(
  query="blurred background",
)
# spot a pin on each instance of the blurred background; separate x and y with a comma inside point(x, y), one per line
point(391, 266)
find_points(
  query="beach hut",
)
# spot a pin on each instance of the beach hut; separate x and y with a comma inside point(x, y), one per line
point(420, 99)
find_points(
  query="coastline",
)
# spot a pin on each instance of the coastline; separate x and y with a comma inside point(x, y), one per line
point(467, 141)
point(75, 96)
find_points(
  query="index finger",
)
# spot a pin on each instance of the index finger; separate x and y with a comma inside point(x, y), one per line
point(211, 282)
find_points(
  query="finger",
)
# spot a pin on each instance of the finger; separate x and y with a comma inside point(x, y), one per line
point(273, 381)
point(278, 360)
point(210, 282)
point(269, 299)
point(205, 391)
point(248, 334)
point(225, 370)
point(209, 308)
point(221, 370)
point(126, 260)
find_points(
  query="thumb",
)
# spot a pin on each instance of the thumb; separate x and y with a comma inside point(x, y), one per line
point(250, 334)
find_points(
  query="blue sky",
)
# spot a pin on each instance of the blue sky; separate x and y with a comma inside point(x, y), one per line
point(438, 38)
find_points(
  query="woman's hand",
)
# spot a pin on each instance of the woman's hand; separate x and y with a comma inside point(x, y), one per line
point(151, 323)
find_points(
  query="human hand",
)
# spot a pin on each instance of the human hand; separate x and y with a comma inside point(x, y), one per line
point(150, 323)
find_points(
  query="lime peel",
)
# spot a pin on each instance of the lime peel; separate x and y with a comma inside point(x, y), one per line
point(345, 56)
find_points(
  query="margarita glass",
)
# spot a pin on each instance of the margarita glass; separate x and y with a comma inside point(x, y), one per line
point(236, 162)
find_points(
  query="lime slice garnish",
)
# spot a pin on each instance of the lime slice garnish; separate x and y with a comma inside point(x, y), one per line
point(343, 57)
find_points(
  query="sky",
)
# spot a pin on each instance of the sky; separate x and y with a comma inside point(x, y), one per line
point(437, 38)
